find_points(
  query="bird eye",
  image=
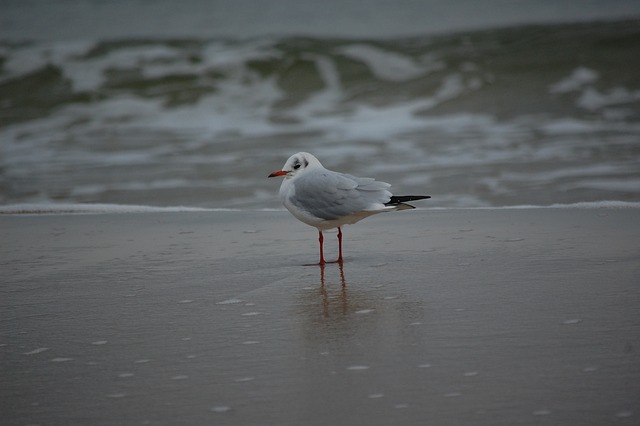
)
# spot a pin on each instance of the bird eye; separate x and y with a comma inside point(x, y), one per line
point(296, 166)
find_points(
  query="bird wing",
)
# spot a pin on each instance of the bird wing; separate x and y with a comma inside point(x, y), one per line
point(331, 195)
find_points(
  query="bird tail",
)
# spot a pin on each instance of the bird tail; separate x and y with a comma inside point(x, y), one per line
point(399, 201)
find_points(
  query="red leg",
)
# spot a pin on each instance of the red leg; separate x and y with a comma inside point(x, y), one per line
point(321, 240)
point(339, 248)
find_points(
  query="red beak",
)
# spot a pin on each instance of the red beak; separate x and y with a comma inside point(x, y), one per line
point(278, 173)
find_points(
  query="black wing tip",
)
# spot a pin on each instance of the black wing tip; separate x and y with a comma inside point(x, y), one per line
point(399, 199)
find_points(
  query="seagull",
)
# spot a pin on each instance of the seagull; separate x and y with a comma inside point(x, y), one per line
point(326, 199)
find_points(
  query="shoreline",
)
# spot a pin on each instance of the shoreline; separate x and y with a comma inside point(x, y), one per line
point(105, 208)
point(471, 316)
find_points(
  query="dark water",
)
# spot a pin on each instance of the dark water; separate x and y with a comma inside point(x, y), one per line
point(527, 114)
point(126, 19)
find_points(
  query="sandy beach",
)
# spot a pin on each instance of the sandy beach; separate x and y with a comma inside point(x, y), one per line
point(443, 317)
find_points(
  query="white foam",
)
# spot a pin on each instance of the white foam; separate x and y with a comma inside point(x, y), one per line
point(604, 184)
point(96, 209)
point(592, 99)
point(387, 65)
point(61, 209)
point(94, 189)
point(595, 205)
point(592, 171)
point(581, 205)
point(230, 56)
point(32, 57)
point(322, 103)
point(578, 78)
point(90, 73)
point(581, 80)
point(566, 126)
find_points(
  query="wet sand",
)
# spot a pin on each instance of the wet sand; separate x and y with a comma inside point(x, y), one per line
point(444, 317)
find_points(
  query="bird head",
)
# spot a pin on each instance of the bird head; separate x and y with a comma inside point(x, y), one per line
point(297, 164)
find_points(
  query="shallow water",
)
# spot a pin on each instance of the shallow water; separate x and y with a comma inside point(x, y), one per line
point(466, 316)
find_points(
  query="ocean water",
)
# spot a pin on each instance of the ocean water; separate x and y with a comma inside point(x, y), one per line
point(520, 114)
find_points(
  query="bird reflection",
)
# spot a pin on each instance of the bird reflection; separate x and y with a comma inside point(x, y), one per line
point(342, 297)
point(342, 280)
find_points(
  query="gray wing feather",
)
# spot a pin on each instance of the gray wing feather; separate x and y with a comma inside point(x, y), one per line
point(330, 195)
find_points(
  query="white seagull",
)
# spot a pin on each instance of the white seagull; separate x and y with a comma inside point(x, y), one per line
point(326, 199)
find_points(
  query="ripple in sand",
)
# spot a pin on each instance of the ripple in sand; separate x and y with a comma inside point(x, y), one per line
point(36, 351)
point(358, 367)
point(117, 395)
point(61, 359)
point(229, 302)
point(180, 377)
